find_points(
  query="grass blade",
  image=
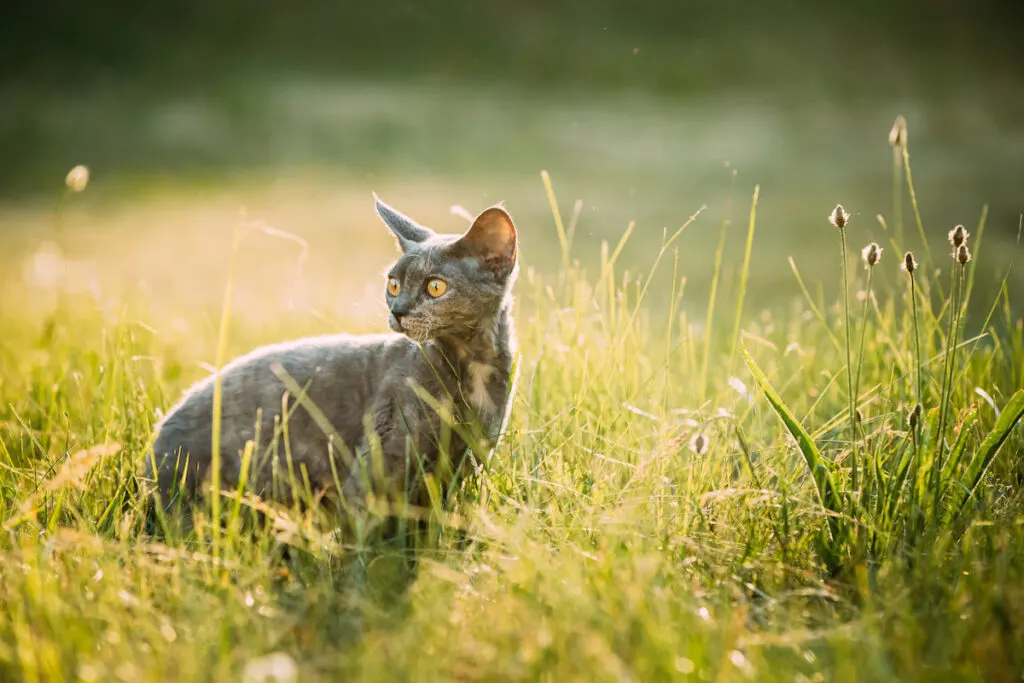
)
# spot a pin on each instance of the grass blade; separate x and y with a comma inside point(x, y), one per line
point(1012, 413)
point(563, 239)
point(819, 470)
point(894, 493)
point(956, 453)
point(744, 273)
point(814, 308)
point(710, 321)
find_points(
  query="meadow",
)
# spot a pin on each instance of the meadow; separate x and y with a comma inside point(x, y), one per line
point(715, 469)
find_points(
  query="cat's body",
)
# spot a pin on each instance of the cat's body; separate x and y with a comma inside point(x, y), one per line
point(449, 298)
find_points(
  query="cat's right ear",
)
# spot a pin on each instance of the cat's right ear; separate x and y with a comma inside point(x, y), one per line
point(492, 239)
point(407, 231)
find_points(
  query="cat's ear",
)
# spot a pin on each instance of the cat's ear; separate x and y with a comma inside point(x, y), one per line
point(492, 239)
point(407, 231)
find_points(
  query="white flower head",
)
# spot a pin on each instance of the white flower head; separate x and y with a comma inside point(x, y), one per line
point(77, 178)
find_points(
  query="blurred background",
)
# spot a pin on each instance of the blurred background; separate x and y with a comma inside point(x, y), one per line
point(188, 112)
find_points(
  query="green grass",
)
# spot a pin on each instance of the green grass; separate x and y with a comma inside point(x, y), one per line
point(597, 543)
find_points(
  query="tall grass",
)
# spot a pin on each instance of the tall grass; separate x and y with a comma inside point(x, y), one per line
point(624, 529)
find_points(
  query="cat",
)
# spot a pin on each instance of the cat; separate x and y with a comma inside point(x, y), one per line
point(364, 412)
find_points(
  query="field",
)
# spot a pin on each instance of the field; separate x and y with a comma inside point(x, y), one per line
point(683, 492)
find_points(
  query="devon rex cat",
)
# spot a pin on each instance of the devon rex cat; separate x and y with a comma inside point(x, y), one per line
point(350, 396)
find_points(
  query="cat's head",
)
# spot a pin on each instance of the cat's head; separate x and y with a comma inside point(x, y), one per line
point(449, 285)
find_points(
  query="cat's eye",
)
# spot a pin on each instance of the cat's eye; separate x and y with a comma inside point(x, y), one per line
point(394, 287)
point(437, 287)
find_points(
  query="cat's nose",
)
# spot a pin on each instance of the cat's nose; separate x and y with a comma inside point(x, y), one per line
point(399, 309)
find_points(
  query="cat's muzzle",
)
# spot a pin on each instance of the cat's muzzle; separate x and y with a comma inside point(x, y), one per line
point(409, 327)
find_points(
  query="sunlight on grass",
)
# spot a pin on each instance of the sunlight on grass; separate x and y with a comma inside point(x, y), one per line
point(646, 517)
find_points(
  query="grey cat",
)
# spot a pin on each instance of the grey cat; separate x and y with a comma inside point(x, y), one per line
point(372, 411)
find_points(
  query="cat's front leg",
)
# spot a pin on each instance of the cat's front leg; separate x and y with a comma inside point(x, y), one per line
point(380, 469)
point(408, 437)
point(390, 454)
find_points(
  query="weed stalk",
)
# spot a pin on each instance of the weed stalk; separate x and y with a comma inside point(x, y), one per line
point(961, 256)
point(897, 140)
point(840, 219)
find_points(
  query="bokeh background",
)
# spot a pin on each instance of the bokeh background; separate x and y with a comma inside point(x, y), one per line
point(192, 113)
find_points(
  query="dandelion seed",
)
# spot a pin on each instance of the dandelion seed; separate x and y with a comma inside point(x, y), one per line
point(839, 217)
point(909, 264)
point(699, 444)
point(77, 178)
point(958, 236)
point(963, 255)
point(898, 133)
point(871, 254)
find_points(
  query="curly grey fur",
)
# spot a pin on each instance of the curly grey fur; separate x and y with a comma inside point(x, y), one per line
point(342, 399)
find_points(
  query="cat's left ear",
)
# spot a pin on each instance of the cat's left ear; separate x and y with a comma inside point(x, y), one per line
point(407, 231)
point(493, 239)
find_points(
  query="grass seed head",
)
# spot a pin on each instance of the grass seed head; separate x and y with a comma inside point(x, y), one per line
point(871, 254)
point(909, 264)
point(914, 417)
point(963, 255)
point(77, 178)
point(958, 236)
point(839, 217)
point(898, 133)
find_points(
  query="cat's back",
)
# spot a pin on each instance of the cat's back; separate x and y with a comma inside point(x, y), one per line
point(350, 359)
point(339, 374)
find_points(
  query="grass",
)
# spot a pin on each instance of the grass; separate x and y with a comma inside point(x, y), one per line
point(602, 539)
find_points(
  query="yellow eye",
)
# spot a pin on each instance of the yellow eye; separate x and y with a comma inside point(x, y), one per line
point(393, 287)
point(436, 288)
